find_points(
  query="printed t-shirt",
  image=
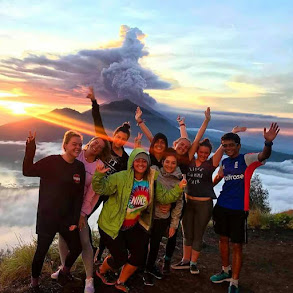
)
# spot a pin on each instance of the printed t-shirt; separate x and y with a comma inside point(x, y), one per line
point(138, 201)
point(237, 173)
point(199, 179)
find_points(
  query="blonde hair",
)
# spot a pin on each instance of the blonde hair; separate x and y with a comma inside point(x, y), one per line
point(68, 135)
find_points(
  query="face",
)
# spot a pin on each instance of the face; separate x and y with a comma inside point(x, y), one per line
point(120, 139)
point(140, 166)
point(159, 146)
point(203, 153)
point(96, 146)
point(231, 148)
point(182, 147)
point(170, 164)
point(73, 147)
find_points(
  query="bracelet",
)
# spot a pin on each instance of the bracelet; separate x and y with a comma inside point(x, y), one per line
point(139, 122)
point(268, 143)
point(183, 124)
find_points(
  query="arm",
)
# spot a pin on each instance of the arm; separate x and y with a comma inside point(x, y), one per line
point(269, 136)
point(165, 196)
point(142, 125)
point(218, 177)
point(182, 127)
point(29, 168)
point(99, 127)
point(199, 134)
point(101, 184)
point(220, 151)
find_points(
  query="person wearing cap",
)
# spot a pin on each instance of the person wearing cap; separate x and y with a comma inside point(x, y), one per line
point(127, 215)
point(231, 210)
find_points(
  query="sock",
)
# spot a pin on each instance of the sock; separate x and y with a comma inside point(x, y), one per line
point(34, 282)
point(226, 269)
point(193, 263)
point(234, 282)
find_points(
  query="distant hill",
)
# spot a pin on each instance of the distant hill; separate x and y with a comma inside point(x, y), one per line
point(113, 115)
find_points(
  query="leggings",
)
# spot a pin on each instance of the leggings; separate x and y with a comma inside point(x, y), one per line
point(195, 220)
point(87, 250)
point(43, 244)
point(158, 230)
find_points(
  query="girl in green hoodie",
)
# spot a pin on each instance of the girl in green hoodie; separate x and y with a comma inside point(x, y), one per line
point(127, 215)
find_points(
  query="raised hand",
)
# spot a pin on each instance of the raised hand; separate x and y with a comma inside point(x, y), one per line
point(138, 114)
point(31, 137)
point(237, 129)
point(271, 134)
point(101, 167)
point(180, 120)
point(137, 140)
point(91, 94)
point(207, 113)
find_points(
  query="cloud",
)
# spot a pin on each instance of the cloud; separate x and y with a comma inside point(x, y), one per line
point(115, 73)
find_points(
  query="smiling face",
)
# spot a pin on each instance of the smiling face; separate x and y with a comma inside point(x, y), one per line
point(120, 139)
point(140, 166)
point(159, 146)
point(203, 153)
point(182, 146)
point(170, 164)
point(96, 146)
point(231, 148)
point(73, 147)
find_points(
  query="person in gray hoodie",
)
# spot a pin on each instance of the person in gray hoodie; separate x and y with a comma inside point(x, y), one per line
point(165, 219)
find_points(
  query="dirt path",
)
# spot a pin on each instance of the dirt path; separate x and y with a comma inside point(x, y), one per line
point(268, 267)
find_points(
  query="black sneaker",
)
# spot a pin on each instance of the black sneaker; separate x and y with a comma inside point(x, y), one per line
point(167, 267)
point(181, 265)
point(148, 279)
point(155, 271)
point(64, 278)
point(193, 269)
point(106, 278)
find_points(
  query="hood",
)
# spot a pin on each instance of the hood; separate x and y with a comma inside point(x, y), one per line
point(177, 173)
point(133, 154)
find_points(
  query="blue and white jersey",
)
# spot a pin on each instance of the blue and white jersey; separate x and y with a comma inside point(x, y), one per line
point(237, 173)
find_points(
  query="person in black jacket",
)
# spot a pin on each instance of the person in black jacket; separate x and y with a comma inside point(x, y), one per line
point(62, 179)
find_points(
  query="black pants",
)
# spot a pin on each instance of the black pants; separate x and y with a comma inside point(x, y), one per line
point(134, 241)
point(159, 228)
point(43, 244)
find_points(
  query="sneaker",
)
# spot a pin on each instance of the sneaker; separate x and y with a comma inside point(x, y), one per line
point(166, 267)
point(122, 287)
point(233, 289)
point(193, 269)
point(89, 286)
point(148, 279)
point(181, 265)
point(55, 275)
point(106, 278)
point(155, 271)
point(221, 277)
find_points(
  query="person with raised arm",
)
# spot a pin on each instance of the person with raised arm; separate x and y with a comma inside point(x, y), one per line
point(199, 201)
point(118, 156)
point(62, 179)
point(127, 215)
point(231, 211)
point(97, 149)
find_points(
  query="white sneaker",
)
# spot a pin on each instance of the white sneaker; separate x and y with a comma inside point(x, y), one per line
point(55, 275)
point(89, 286)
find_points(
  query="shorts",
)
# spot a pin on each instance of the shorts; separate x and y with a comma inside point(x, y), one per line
point(230, 223)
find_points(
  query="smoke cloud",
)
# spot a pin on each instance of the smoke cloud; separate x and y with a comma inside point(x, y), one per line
point(115, 73)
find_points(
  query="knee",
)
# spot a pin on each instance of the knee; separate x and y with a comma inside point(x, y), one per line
point(237, 247)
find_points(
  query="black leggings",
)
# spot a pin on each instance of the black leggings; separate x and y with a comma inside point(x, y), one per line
point(44, 241)
point(159, 228)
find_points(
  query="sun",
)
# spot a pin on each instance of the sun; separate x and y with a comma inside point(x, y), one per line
point(18, 109)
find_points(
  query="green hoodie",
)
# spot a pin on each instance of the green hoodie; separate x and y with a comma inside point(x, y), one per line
point(119, 186)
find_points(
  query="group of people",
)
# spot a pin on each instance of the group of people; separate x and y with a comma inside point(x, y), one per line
point(145, 196)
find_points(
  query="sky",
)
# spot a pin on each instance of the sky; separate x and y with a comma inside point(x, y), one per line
point(234, 56)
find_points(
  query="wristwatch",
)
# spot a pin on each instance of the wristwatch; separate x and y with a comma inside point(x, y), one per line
point(268, 143)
